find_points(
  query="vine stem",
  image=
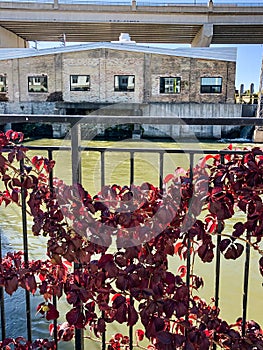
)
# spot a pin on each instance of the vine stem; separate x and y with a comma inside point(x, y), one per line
point(108, 343)
point(243, 240)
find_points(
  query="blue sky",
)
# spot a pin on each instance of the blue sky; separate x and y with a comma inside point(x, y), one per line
point(249, 59)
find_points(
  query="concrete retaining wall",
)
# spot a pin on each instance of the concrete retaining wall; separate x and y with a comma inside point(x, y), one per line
point(28, 108)
point(205, 110)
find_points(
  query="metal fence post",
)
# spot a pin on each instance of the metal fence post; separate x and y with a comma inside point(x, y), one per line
point(76, 178)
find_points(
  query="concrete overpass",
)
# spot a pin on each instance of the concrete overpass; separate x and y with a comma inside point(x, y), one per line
point(195, 24)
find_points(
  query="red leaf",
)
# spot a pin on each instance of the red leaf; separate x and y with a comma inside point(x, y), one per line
point(52, 313)
point(2, 161)
point(101, 325)
point(139, 334)
point(11, 285)
point(177, 247)
point(37, 161)
point(168, 178)
point(211, 223)
point(105, 259)
point(9, 133)
point(132, 315)
point(51, 329)
point(182, 270)
point(31, 284)
point(11, 156)
point(181, 309)
point(118, 301)
point(164, 337)
point(73, 315)
point(206, 158)
point(121, 314)
point(14, 196)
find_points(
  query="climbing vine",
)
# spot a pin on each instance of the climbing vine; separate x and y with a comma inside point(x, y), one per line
point(148, 225)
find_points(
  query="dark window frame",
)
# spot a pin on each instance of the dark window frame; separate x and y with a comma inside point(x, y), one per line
point(211, 88)
point(43, 82)
point(3, 87)
point(123, 83)
point(83, 88)
point(176, 80)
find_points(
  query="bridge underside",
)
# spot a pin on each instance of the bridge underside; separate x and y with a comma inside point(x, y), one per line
point(197, 35)
point(9, 39)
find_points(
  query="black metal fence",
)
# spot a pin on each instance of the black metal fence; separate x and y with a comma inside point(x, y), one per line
point(76, 151)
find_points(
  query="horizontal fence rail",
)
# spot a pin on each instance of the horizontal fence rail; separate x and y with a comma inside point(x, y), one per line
point(157, 120)
point(77, 151)
point(142, 2)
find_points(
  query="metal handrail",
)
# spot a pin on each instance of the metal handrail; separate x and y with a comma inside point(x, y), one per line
point(125, 119)
point(143, 2)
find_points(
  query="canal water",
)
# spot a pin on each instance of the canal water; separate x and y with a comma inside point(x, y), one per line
point(117, 171)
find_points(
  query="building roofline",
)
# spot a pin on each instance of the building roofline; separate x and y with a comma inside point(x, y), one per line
point(211, 53)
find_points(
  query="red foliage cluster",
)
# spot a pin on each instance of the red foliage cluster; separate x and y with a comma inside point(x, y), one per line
point(149, 225)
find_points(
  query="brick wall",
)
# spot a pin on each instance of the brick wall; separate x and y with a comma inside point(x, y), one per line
point(103, 64)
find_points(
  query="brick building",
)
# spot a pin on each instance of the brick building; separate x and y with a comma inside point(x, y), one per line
point(117, 72)
point(183, 81)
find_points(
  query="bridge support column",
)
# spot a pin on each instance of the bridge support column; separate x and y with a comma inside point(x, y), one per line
point(59, 130)
point(204, 37)
point(134, 5)
point(8, 39)
point(55, 4)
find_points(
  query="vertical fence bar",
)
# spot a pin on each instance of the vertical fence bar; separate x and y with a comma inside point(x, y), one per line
point(161, 171)
point(102, 183)
point(54, 299)
point(218, 260)
point(75, 153)
point(131, 168)
point(25, 246)
point(218, 257)
point(131, 328)
point(217, 268)
point(103, 335)
point(76, 178)
point(102, 168)
point(131, 298)
point(188, 257)
point(2, 300)
point(245, 290)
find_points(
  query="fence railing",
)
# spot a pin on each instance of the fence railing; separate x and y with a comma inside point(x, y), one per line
point(77, 150)
point(144, 2)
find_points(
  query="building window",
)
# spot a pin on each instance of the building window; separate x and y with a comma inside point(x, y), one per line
point(124, 82)
point(170, 85)
point(3, 86)
point(79, 83)
point(37, 83)
point(212, 85)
